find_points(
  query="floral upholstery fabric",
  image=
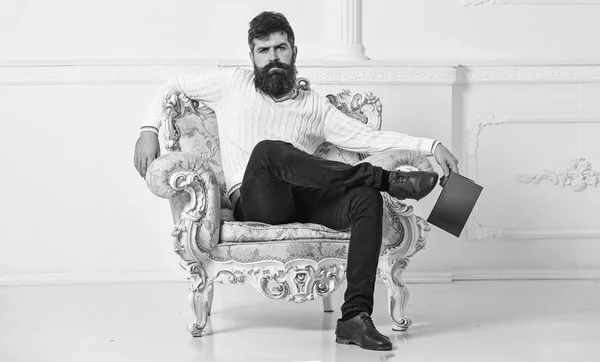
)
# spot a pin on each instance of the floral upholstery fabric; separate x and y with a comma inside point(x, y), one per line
point(200, 136)
point(248, 242)
point(240, 232)
point(330, 152)
point(283, 251)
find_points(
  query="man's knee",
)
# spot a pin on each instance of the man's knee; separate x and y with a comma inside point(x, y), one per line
point(266, 146)
point(271, 149)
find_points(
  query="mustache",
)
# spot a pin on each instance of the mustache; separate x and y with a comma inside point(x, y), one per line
point(277, 64)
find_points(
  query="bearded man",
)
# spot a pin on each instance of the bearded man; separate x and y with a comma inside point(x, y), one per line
point(269, 128)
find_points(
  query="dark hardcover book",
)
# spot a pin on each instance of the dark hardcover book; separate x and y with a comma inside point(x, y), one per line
point(455, 204)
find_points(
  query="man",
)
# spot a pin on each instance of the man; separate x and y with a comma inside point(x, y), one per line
point(269, 129)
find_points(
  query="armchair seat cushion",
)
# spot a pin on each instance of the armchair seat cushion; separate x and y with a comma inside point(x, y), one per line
point(239, 232)
point(249, 242)
point(282, 251)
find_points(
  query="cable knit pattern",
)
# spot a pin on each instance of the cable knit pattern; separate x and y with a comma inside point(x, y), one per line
point(247, 116)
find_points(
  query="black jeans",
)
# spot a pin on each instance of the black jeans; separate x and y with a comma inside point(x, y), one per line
point(283, 184)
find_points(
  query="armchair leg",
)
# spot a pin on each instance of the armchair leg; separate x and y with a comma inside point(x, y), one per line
point(209, 299)
point(199, 301)
point(200, 298)
point(398, 296)
point(327, 305)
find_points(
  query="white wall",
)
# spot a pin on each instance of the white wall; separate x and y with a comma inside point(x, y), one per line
point(142, 30)
point(73, 202)
point(75, 78)
point(392, 30)
point(445, 29)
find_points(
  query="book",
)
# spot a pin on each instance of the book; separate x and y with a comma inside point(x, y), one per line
point(455, 203)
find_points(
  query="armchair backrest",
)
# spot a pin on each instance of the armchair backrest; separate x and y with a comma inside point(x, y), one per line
point(192, 127)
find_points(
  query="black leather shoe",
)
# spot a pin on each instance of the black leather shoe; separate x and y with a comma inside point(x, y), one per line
point(412, 185)
point(361, 331)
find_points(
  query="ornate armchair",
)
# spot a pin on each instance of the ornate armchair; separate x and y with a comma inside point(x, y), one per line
point(294, 262)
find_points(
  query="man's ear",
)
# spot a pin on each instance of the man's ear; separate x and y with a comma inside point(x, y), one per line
point(295, 52)
point(251, 55)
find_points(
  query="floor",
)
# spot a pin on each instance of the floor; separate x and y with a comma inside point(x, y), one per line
point(462, 321)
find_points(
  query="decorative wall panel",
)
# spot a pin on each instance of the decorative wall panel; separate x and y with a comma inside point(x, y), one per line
point(579, 176)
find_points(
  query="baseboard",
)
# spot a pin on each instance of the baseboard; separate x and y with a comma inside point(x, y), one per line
point(94, 278)
point(414, 277)
point(526, 274)
point(163, 277)
point(409, 277)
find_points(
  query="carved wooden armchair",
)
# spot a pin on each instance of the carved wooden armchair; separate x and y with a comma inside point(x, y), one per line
point(294, 262)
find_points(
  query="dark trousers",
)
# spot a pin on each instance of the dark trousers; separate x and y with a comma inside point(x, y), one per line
point(283, 184)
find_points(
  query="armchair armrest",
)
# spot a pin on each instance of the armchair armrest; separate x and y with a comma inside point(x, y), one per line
point(399, 159)
point(180, 173)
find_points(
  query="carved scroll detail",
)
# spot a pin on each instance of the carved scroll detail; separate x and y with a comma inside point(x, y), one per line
point(200, 288)
point(579, 176)
point(397, 293)
point(362, 106)
point(297, 283)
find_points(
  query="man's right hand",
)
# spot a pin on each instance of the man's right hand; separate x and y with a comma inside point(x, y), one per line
point(147, 149)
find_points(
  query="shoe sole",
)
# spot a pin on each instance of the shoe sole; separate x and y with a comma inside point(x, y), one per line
point(342, 340)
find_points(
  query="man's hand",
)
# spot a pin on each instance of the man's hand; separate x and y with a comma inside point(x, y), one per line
point(445, 159)
point(147, 150)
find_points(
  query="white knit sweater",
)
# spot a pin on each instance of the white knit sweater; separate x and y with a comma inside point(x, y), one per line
point(247, 116)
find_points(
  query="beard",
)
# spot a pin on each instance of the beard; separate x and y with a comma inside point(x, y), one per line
point(276, 83)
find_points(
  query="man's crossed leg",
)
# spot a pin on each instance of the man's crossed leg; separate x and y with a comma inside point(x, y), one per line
point(283, 184)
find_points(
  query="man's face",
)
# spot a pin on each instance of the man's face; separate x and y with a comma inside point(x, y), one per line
point(273, 59)
point(276, 47)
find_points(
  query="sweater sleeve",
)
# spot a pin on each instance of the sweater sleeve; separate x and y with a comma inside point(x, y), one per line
point(352, 135)
point(206, 88)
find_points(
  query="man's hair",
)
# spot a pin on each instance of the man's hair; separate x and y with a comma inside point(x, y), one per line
point(267, 23)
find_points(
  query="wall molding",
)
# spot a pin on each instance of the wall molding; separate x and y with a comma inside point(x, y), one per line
point(93, 278)
point(528, 74)
point(95, 74)
point(475, 229)
point(319, 72)
point(525, 274)
point(380, 75)
point(478, 231)
point(167, 276)
point(531, 2)
point(111, 72)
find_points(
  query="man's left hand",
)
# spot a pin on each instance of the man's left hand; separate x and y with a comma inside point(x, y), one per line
point(446, 159)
